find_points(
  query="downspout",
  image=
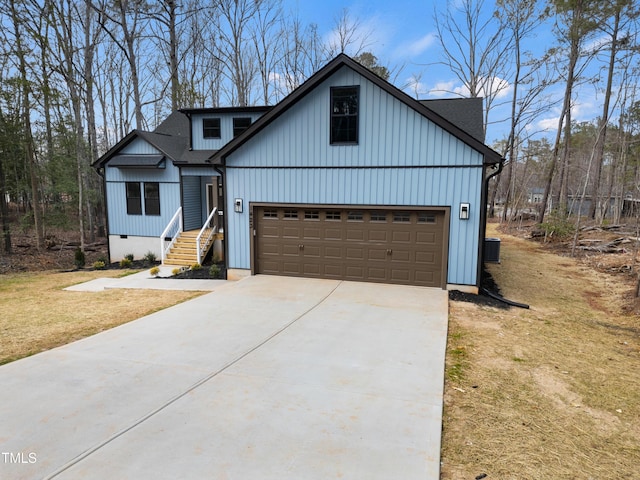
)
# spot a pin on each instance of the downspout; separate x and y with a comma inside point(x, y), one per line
point(483, 232)
point(225, 250)
point(190, 139)
point(483, 219)
point(102, 174)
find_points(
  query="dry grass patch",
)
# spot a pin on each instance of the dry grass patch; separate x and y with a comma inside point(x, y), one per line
point(37, 314)
point(546, 393)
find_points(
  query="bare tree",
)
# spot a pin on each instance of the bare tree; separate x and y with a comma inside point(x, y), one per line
point(235, 49)
point(574, 29)
point(302, 53)
point(622, 13)
point(128, 17)
point(348, 36)
point(520, 18)
point(18, 23)
point(264, 36)
point(475, 49)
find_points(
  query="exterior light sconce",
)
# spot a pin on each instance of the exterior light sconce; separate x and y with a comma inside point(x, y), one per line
point(464, 211)
point(237, 205)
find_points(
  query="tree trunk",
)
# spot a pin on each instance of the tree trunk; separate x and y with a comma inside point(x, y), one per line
point(26, 114)
point(602, 129)
point(4, 213)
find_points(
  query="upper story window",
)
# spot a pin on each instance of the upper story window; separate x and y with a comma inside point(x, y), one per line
point(211, 128)
point(240, 124)
point(344, 115)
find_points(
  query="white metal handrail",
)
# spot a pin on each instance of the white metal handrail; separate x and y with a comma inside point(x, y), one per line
point(174, 229)
point(201, 248)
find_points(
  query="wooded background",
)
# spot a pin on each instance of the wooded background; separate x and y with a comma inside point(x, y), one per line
point(78, 75)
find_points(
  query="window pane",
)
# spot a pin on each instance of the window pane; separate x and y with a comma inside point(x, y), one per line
point(291, 214)
point(355, 216)
point(424, 217)
point(311, 215)
point(401, 217)
point(152, 198)
point(134, 202)
point(378, 217)
point(344, 115)
point(211, 128)
point(270, 213)
point(333, 215)
point(240, 125)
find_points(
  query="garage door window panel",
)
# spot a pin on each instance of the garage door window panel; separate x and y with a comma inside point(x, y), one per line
point(378, 217)
point(270, 213)
point(401, 217)
point(355, 216)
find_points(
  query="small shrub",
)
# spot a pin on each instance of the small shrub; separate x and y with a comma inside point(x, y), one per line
point(99, 265)
point(150, 258)
point(129, 256)
point(102, 259)
point(557, 226)
point(196, 266)
point(154, 271)
point(176, 271)
point(125, 262)
point(79, 258)
point(214, 271)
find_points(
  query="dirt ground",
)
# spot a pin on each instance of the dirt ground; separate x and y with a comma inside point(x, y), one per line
point(57, 253)
point(548, 392)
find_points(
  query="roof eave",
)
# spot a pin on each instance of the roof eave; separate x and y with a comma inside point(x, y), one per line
point(100, 162)
point(490, 156)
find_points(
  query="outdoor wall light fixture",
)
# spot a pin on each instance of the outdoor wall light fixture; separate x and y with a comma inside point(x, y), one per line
point(237, 205)
point(464, 211)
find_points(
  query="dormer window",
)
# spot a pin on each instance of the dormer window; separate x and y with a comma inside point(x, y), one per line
point(211, 128)
point(344, 115)
point(240, 124)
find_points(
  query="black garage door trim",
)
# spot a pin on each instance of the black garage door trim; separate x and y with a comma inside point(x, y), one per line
point(376, 243)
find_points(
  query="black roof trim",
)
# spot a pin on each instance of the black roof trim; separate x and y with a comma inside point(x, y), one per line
point(252, 109)
point(137, 161)
point(100, 162)
point(490, 155)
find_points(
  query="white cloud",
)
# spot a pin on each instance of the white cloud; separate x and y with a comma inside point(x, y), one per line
point(498, 86)
point(546, 124)
point(443, 89)
point(416, 47)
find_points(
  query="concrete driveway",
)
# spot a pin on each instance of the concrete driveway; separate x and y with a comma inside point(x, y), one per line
point(265, 378)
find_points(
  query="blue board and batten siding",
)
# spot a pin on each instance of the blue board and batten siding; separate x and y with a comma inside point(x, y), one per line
point(226, 129)
point(402, 159)
point(168, 178)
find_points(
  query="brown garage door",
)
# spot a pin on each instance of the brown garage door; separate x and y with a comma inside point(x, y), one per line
point(386, 245)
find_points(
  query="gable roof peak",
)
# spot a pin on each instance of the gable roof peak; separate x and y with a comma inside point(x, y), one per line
point(342, 60)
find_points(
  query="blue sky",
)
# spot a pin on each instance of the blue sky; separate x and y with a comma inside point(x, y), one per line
point(403, 37)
